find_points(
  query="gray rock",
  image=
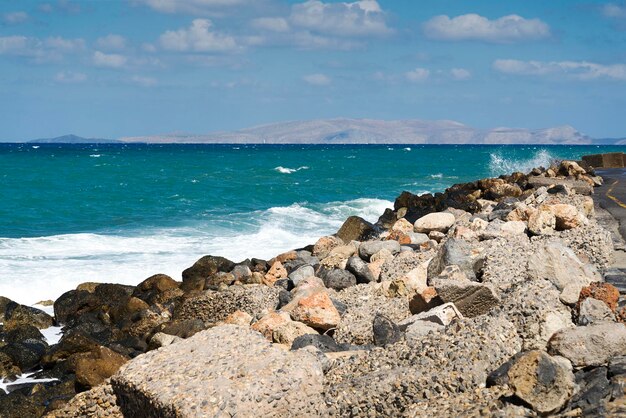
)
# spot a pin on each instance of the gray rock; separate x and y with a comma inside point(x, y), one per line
point(453, 251)
point(236, 372)
point(418, 238)
point(591, 345)
point(161, 339)
point(324, 343)
point(241, 272)
point(543, 382)
point(470, 298)
point(418, 329)
point(385, 331)
point(593, 390)
point(360, 270)
point(594, 310)
point(369, 248)
point(301, 273)
point(339, 279)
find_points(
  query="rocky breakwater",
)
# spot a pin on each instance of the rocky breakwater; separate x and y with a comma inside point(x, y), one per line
point(487, 299)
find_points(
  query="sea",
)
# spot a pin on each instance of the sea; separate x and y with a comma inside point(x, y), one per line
point(119, 213)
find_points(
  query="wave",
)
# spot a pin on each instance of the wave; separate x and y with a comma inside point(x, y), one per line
point(436, 176)
point(286, 170)
point(499, 164)
point(42, 268)
point(95, 155)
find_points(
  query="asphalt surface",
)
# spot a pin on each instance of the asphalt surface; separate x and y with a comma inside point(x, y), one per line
point(611, 196)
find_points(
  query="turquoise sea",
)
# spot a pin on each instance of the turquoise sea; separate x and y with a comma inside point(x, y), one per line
point(120, 213)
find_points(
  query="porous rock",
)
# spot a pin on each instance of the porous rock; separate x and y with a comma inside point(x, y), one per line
point(591, 345)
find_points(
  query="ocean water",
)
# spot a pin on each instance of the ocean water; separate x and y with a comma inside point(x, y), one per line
point(120, 213)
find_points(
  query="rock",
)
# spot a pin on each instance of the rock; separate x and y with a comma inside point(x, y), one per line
point(241, 273)
point(316, 310)
point(324, 245)
point(369, 248)
point(159, 288)
point(567, 216)
point(23, 333)
point(16, 315)
point(289, 331)
point(453, 251)
point(417, 330)
point(559, 265)
point(593, 390)
point(543, 382)
point(8, 370)
point(424, 300)
point(94, 367)
point(161, 339)
point(579, 186)
point(570, 168)
point(399, 267)
point(513, 228)
point(593, 310)
point(271, 322)
point(385, 331)
point(355, 229)
point(502, 190)
point(183, 328)
point(301, 273)
point(69, 344)
point(591, 345)
point(324, 343)
point(442, 315)
point(194, 276)
point(470, 298)
point(360, 270)
point(541, 222)
point(212, 307)
point(605, 292)
point(339, 279)
point(236, 372)
point(402, 225)
point(27, 353)
point(440, 222)
point(275, 273)
point(400, 237)
point(239, 318)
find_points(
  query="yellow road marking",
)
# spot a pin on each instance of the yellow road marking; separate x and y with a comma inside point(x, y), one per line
point(613, 198)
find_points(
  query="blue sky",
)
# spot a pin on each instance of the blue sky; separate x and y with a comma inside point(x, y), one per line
point(114, 68)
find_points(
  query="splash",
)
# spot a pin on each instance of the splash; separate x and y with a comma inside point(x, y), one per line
point(499, 164)
point(286, 170)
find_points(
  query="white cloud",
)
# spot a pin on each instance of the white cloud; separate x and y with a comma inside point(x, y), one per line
point(100, 59)
point(13, 18)
point(190, 6)
point(111, 42)
point(473, 27)
point(143, 81)
point(273, 24)
point(460, 74)
point(317, 79)
point(359, 18)
point(614, 11)
point(198, 38)
point(70, 77)
point(40, 50)
point(579, 70)
point(417, 75)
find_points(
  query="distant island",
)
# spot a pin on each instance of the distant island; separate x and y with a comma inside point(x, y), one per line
point(73, 139)
point(365, 131)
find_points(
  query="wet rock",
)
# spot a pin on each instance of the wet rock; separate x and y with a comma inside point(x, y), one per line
point(22, 333)
point(8, 369)
point(27, 353)
point(360, 270)
point(16, 315)
point(355, 228)
point(439, 222)
point(159, 288)
point(369, 248)
point(593, 310)
point(69, 344)
point(339, 279)
point(240, 374)
point(544, 382)
point(471, 298)
point(385, 331)
point(591, 345)
point(94, 367)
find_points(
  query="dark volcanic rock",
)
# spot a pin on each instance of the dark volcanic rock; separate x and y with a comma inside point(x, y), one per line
point(385, 331)
point(324, 343)
point(16, 315)
point(360, 270)
point(195, 276)
point(594, 390)
point(355, 229)
point(339, 279)
point(156, 288)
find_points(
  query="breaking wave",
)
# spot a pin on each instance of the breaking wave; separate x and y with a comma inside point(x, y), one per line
point(499, 164)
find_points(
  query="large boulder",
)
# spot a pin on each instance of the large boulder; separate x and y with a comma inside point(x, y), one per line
point(441, 222)
point(355, 228)
point(545, 383)
point(158, 288)
point(236, 372)
point(454, 252)
point(195, 276)
point(591, 345)
point(316, 310)
point(470, 298)
point(96, 366)
point(26, 315)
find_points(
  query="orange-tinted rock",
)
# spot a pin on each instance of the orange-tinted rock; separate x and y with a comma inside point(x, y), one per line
point(399, 236)
point(96, 366)
point(238, 318)
point(270, 322)
point(276, 272)
point(324, 246)
point(317, 311)
point(605, 292)
point(402, 225)
point(289, 255)
point(424, 301)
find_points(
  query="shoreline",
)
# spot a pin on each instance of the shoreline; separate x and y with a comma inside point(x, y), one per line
point(511, 261)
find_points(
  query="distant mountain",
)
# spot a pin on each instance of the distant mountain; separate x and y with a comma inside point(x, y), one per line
point(73, 139)
point(368, 131)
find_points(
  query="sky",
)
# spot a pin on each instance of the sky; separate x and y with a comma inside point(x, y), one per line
point(116, 68)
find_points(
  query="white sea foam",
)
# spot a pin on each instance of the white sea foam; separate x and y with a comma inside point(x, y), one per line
point(407, 149)
point(42, 268)
point(35, 146)
point(286, 170)
point(24, 378)
point(436, 176)
point(95, 155)
point(499, 164)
